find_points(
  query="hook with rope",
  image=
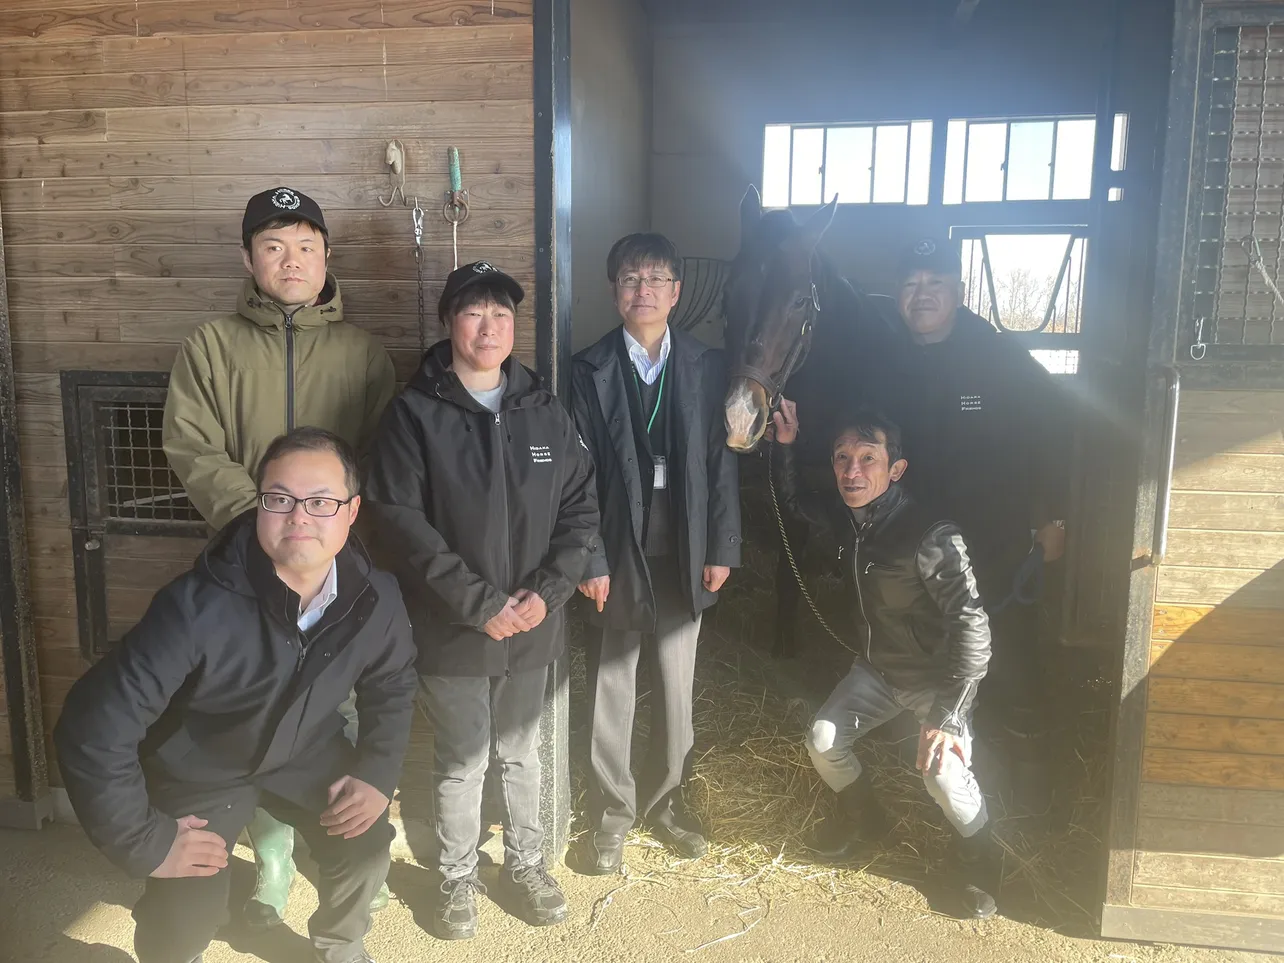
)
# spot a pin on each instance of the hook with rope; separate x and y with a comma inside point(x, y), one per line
point(455, 210)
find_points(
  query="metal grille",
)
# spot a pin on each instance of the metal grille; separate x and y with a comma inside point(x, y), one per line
point(1241, 208)
point(702, 281)
point(140, 483)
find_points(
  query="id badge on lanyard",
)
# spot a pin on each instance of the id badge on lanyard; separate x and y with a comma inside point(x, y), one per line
point(661, 473)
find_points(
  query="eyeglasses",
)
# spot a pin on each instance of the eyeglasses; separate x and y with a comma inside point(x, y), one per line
point(654, 281)
point(279, 503)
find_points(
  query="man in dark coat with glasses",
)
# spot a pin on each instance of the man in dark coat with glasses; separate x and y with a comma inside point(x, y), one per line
point(226, 697)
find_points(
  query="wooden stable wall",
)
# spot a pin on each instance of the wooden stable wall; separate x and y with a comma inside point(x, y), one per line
point(131, 135)
point(1210, 820)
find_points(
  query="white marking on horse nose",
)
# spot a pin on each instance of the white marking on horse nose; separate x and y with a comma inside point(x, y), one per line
point(741, 413)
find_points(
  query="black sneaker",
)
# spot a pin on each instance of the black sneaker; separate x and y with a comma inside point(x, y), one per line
point(532, 895)
point(454, 911)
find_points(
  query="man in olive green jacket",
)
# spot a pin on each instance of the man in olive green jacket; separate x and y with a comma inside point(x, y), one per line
point(285, 359)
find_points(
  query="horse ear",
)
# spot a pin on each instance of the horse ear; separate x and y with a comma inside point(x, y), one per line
point(750, 212)
point(818, 223)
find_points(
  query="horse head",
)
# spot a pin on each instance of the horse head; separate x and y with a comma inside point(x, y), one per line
point(771, 303)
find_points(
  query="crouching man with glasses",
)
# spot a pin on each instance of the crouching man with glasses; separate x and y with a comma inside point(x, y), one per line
point(226, 697)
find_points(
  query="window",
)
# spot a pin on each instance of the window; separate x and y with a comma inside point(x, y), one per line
point(1031, 284)
point(857, 163)
point(1034, 159)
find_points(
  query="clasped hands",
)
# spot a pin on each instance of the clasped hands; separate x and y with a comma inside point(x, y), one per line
point(521, 613)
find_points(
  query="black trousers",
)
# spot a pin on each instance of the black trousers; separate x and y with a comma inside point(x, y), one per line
point(176, 919)
point(612, 663)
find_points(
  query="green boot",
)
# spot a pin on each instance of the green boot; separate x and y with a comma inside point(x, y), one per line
point(381, 900)
point(273, 843)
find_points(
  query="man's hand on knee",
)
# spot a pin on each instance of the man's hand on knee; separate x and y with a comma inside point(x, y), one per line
point(194, 852)
point(355, 806)
point(933, 744)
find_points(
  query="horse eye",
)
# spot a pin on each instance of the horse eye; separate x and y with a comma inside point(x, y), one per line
point(801, 301)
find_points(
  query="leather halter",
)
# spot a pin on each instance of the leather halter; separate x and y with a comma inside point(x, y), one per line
point(774, 383)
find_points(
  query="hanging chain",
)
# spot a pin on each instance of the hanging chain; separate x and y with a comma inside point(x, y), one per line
point(789, 554)
point(418, 215)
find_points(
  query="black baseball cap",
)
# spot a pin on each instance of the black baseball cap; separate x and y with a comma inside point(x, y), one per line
point(478, 272)
point(280, 202)
point(930, 254)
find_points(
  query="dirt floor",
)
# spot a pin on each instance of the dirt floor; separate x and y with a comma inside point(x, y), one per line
point(61, 903)
point(756, 896)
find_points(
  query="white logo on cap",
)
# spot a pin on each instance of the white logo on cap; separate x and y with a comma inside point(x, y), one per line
point(481, 267)
point(286, 199)
point(925, 248)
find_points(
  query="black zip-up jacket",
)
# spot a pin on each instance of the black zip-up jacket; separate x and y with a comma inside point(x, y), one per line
point(914, 591)
point(470, 506)
point(216, 695)
point(986, 430)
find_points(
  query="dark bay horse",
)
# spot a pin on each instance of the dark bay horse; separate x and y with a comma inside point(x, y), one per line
point(792, 320)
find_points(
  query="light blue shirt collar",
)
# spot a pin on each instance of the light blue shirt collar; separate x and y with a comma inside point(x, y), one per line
point(647, 370)
point(329, 592)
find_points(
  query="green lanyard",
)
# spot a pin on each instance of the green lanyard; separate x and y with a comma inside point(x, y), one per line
point(659, 397)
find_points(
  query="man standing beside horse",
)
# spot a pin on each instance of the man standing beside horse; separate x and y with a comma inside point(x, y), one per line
point(648, 402)
point(986, 431)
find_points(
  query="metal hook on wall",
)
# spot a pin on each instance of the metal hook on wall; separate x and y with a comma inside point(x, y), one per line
point(395, 157)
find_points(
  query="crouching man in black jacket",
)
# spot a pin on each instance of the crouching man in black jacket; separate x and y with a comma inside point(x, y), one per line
point(926, 642)
point(226, 696)
point(485, 506)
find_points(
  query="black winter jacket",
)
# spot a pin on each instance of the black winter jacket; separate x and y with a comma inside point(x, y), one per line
point(216, 695)
point(986, 430)
point(470, 506)
point(914, 592)
point(706, 520)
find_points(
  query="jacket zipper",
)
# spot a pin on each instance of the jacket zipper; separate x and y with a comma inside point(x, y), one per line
point(289, 371)
point(860, 598)
point(508, 535)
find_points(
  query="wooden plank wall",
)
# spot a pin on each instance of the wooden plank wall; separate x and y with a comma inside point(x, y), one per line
point(1210, 833)
point(131, 135)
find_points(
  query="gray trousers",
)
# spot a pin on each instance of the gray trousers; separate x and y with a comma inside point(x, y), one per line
point(476, 720)
point(862, 702)
point(612, 665)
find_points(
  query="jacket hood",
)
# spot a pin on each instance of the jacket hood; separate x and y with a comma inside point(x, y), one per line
point(435, 379)
point(266, 313)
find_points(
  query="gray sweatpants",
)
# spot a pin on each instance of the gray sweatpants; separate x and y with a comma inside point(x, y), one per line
point(862, 702)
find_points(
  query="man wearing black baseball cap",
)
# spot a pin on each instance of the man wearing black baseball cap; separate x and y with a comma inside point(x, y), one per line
point(485, 509)
point(285, 359)
point(987, 431)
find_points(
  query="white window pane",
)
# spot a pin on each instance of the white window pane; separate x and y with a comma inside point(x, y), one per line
point(1057, 361)
point(955, 134)
point(1025, 268)
point(848, 157)
point(986, 145)
point(891, 156)
point(1116, 194)
point(1030, 161)
point(1073, 164)
point(809, 148)
point(1119, 144)
point(920, 161)
point(775, 166)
